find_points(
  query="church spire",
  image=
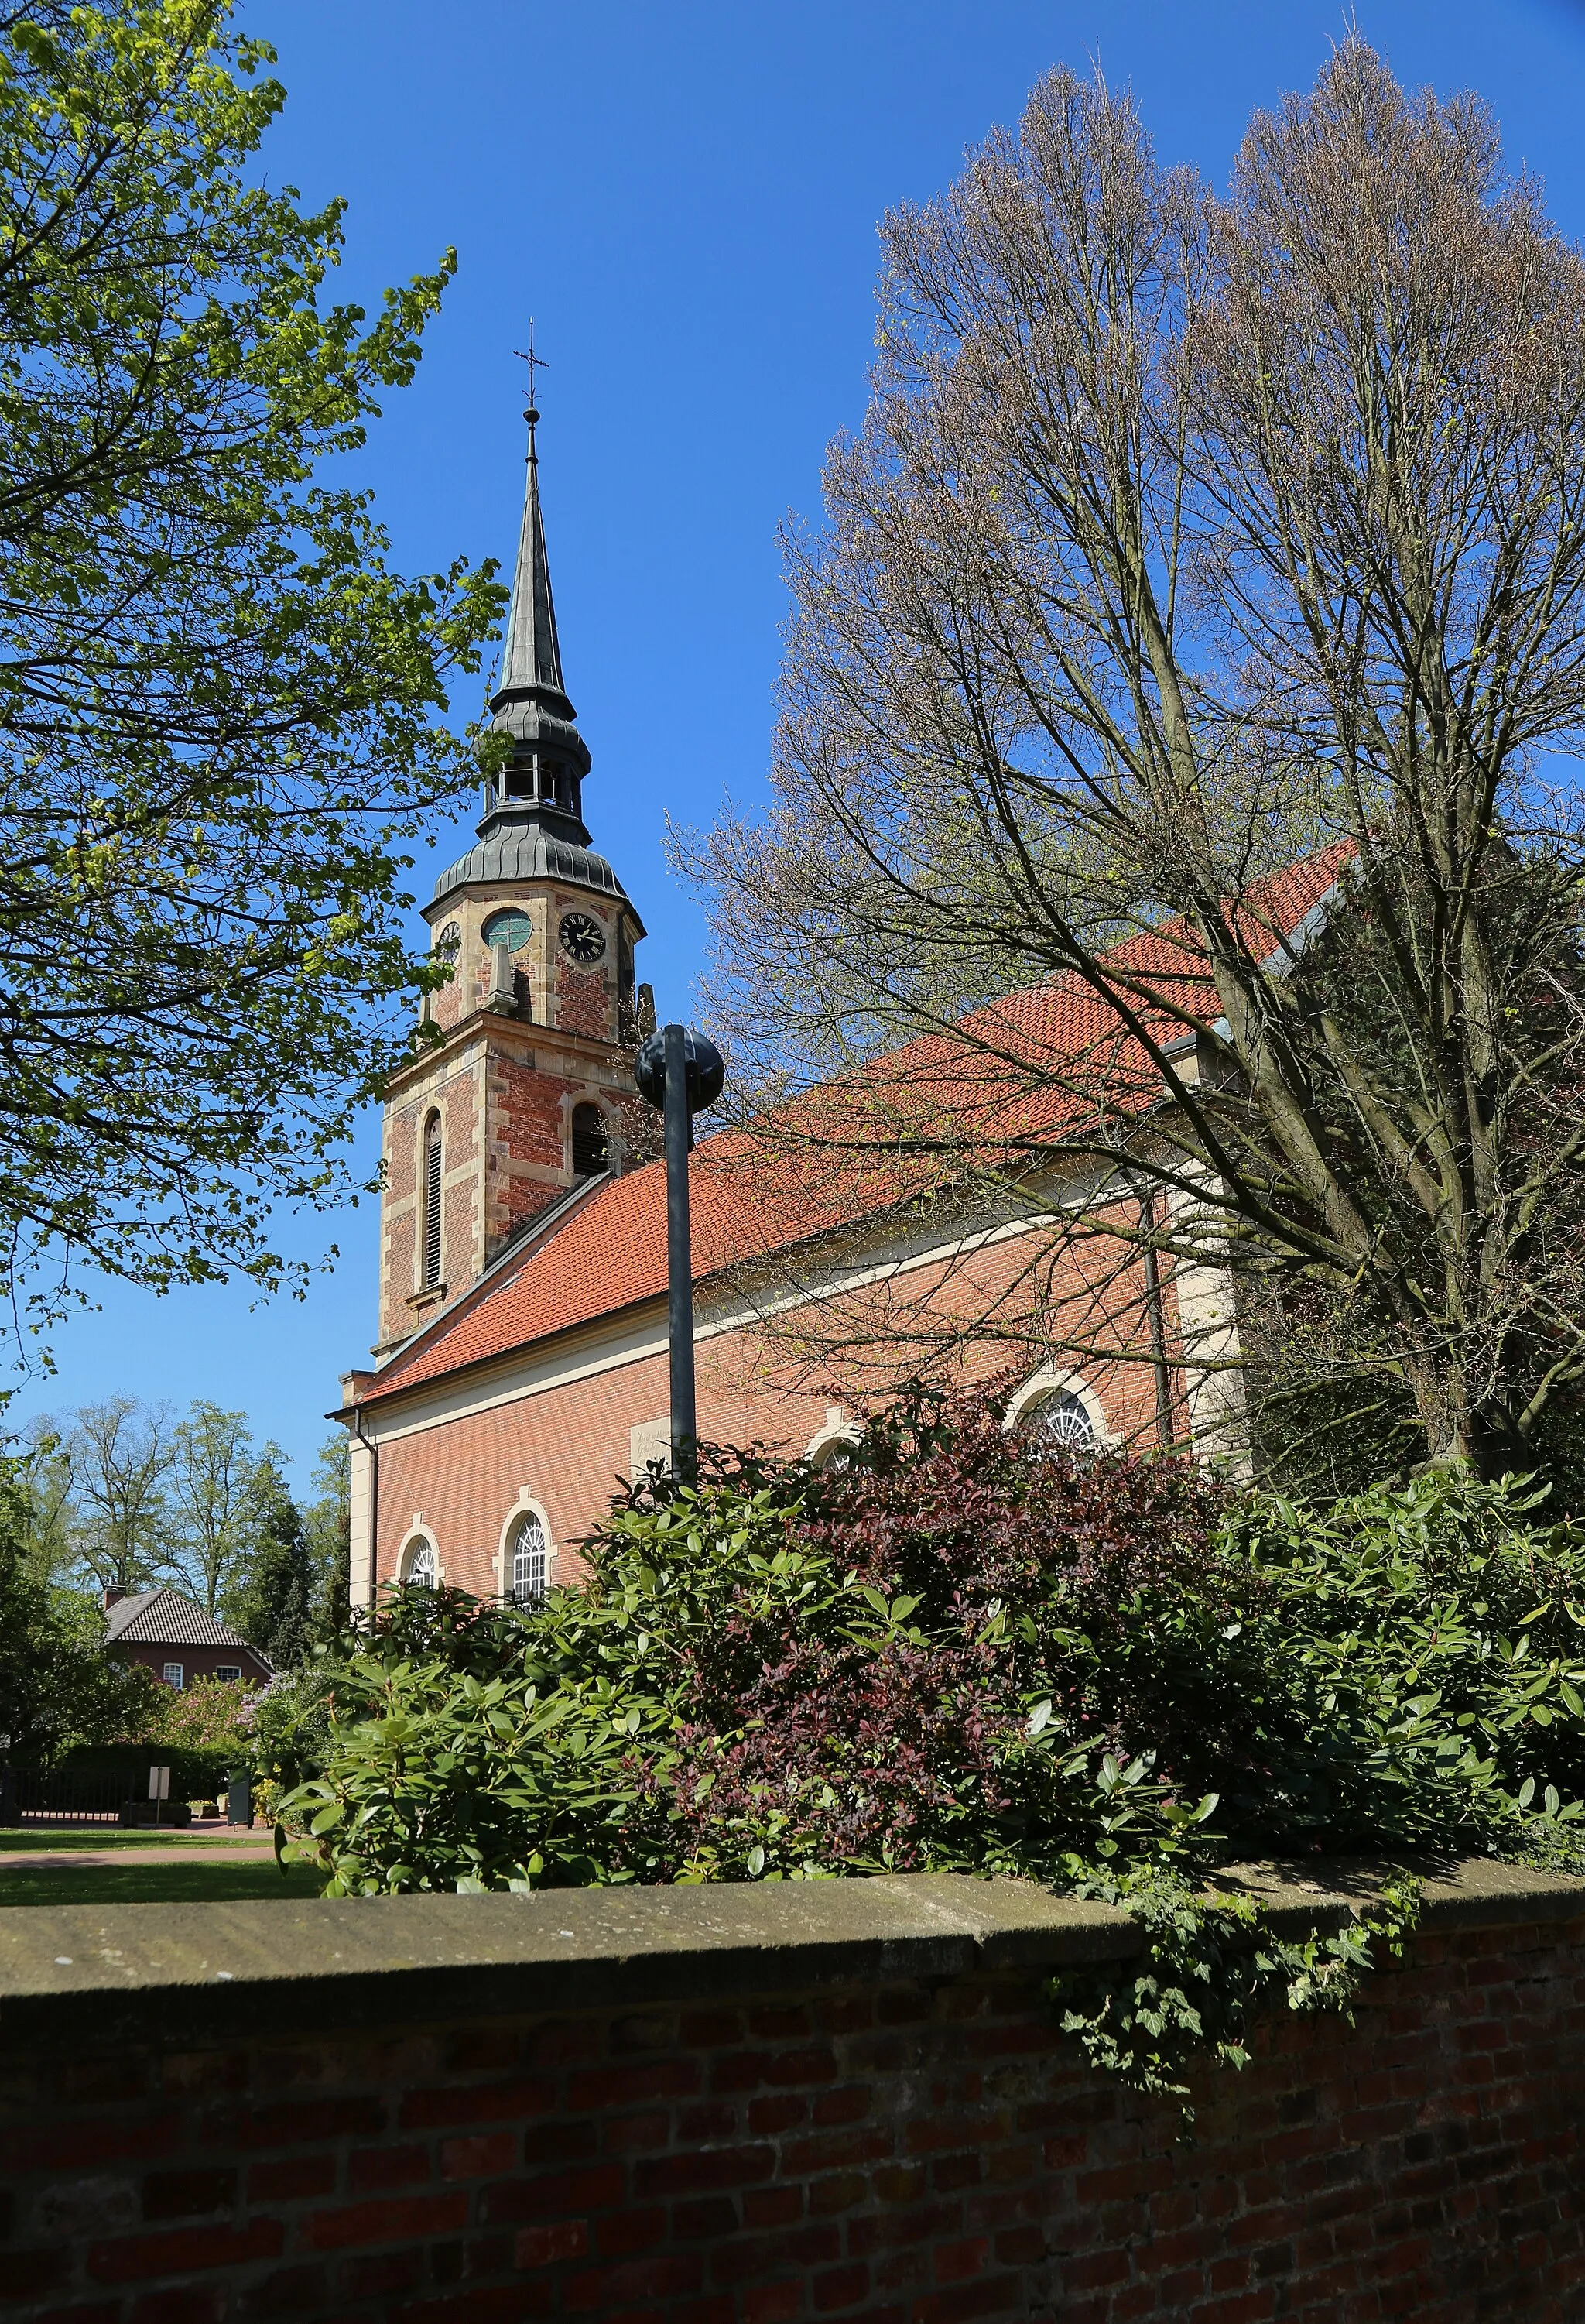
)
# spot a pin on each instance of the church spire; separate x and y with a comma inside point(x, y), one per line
point(542, 780)
point(531, 660)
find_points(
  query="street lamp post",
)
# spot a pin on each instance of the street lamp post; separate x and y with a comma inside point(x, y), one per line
point(681, 1072)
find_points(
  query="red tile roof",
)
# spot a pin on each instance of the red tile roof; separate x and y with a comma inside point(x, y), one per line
point(609, 1252)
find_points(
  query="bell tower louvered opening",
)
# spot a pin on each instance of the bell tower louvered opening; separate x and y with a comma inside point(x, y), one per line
point(432, 1159)
point(590, 1150)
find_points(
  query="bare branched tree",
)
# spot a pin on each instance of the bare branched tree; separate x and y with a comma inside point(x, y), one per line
point(1187, 538)
point(120, 1453)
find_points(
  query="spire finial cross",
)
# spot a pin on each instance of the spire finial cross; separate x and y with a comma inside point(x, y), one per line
point(535, 363)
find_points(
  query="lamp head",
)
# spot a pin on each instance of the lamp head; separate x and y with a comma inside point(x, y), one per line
point(705, 1069)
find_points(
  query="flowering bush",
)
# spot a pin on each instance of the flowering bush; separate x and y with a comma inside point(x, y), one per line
point(208, 1715)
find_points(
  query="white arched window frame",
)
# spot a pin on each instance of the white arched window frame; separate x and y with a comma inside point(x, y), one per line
point(526, 1554)
point(419, 1559)
point(832, 1447)
point(1069, 1393)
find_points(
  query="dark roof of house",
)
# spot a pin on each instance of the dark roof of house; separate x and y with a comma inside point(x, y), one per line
point(163, 1617)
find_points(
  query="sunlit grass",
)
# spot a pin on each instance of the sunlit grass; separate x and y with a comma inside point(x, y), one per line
point(251, 1879)
point(32, 1839)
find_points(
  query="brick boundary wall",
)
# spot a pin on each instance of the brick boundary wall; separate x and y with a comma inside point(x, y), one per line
point(747, 2105)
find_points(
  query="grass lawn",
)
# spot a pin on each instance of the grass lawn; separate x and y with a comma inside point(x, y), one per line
point(255, 1880)
point(30, 1839)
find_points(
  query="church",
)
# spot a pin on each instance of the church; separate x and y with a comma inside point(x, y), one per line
point(521, 1371)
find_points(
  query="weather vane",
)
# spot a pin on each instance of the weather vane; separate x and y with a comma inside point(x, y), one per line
point(535, 363)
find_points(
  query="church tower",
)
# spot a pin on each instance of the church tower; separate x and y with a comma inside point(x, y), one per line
point(526, 1094)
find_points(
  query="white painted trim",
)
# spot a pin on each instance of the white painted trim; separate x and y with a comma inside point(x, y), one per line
point(1051, 1380)
point(526, 1375)
point(838, 1429)
point(647, 1441)
point(525, 1506)
point(1208, 1334)
point(418, 1531)
point(361, 1548)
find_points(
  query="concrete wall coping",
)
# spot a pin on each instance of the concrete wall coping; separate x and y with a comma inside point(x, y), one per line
point(74, 1975)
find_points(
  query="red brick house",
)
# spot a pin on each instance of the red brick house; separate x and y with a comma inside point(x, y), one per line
point(178, 1641)
point(522, 1363)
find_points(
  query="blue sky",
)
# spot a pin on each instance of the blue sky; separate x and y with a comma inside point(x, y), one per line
point(685, 197)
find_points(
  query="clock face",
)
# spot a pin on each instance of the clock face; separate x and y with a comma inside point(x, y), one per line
point(448, 943)
point(582, 938)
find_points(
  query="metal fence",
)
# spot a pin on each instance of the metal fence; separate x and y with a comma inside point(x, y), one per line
point(68, 1794)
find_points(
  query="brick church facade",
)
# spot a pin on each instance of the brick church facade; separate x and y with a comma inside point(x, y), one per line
point(521, 1367)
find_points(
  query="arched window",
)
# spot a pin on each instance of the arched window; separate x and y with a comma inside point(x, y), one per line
point(530, 1553)
point(834, 1446)
point(431, 1202)
point(1060, 1423)
point(832, 1450)
point(419, 1564)
point(512, 927)
point(590, 1150)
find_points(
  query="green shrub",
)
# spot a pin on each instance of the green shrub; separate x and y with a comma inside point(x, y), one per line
point(1434, 1637)
point(963, 1653)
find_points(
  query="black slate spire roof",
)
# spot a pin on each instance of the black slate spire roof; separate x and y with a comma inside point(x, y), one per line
point(531, 663)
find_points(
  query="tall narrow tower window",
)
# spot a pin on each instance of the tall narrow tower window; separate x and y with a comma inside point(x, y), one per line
point(589, 1152)
point(431, 1202)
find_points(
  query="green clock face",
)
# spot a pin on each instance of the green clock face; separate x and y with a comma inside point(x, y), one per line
point(582, 938)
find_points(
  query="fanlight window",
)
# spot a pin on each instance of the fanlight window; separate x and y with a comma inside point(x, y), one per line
point(835, 1455)
point(590, 1151)
point(1061, 1423)
point(531, 1560)
point(511, 928)
point(421, 1566)
point(432, 1159)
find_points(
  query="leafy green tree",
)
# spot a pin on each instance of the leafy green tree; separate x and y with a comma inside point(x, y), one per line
point(215, 1477)
point(965, 1651)
point(327, 1520)
point(41, 1482)
point(273, 1604)
point(58, 1685)
point(219, 707)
